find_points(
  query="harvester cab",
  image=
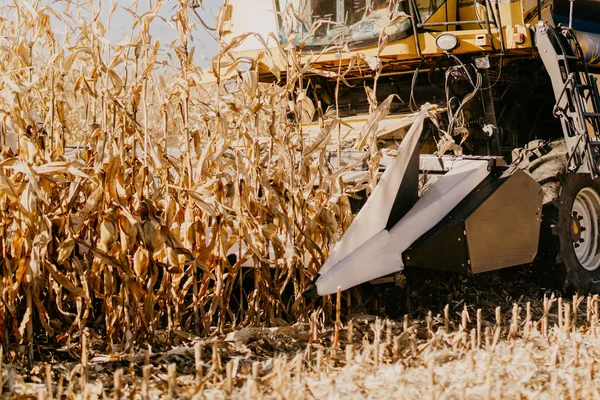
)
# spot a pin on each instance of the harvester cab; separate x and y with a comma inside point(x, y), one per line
point(503, 95)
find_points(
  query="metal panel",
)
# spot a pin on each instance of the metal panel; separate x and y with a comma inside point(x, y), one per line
point(443, 250)
point(496, 226)
point(504, 230)
point(252, 16)
point(435, 164)
point(444, 246)
point(408, 193)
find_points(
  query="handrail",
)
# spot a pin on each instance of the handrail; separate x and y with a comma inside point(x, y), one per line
point(499, 27)
point(412, 7)
point(487, 24)
point(451, 23)
point(572, 76)
point(562, 93)
point(573, 82)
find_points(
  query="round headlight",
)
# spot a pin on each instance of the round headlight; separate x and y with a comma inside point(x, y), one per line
point(447, 42)
point(244, 64)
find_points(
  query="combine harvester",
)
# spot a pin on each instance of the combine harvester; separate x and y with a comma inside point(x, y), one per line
point(506, 85)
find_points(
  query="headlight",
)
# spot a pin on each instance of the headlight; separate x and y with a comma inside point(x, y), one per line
point(447, 42)
point(244, 64)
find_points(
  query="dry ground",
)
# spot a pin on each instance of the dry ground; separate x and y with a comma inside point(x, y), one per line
point(486, 344)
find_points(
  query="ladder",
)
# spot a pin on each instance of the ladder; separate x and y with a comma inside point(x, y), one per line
point(576, 93)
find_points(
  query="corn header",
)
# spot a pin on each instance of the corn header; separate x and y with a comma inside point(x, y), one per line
point(499, 151)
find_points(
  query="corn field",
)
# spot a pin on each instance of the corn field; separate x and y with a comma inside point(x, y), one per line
point(126, 183)
point(132, 192)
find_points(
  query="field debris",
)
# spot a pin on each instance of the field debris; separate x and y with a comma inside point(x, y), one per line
point(522, 352)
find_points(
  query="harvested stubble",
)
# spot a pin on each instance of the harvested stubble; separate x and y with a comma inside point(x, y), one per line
point(433, 358)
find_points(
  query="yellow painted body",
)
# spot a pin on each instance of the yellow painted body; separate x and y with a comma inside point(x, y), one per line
point(516, 18)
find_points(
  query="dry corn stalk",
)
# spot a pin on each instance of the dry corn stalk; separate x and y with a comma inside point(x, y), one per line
point(131, 229)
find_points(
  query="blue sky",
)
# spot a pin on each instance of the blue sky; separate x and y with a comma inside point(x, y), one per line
point(122, 21)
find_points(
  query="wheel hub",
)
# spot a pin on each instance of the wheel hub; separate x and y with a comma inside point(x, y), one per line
point(585, 224)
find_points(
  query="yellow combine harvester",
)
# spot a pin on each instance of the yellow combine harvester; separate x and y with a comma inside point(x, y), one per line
point(501, 86)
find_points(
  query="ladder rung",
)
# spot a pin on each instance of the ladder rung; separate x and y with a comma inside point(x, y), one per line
point(566, 57)
point(591, 114)
point(594, 143)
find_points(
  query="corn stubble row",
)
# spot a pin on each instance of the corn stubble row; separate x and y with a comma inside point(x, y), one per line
point(548, 351)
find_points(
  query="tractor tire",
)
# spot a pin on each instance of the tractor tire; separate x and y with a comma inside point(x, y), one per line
point(577, 225)
point(570, 231)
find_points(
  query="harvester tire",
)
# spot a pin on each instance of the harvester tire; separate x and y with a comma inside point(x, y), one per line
point(570, 231)
point(577, 226)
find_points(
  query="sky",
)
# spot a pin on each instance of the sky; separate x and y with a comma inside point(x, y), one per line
point(122, 20)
